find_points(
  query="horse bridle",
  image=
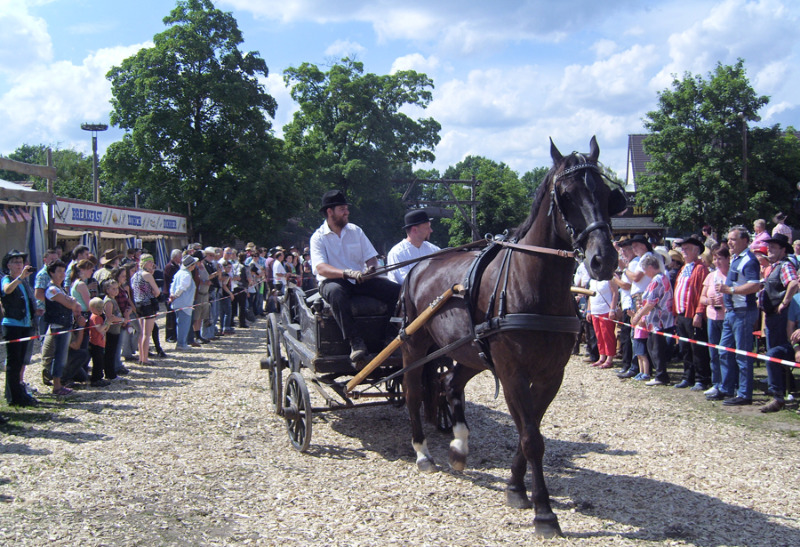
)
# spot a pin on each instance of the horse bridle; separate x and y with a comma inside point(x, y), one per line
point(555, 202)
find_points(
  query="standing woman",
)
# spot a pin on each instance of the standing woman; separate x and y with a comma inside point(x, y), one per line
point(78, 287)
point(20, 310)
point(279, 273)
point(603, 310)
point(58, 312)
point(145, 293)
point(715, 311)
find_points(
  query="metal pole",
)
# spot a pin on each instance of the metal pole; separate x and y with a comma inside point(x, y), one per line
point(744, 152)
point(94, 169)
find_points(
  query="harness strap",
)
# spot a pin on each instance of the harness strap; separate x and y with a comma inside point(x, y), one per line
point(529, 321)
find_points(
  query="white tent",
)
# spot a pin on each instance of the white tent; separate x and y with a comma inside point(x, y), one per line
point(22, 222)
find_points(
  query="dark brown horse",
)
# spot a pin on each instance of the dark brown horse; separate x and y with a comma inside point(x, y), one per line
point(570, 211)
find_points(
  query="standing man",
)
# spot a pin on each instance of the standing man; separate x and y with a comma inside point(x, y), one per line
point(630, 364)
point(690, 316)
point(780, 285)
point(340, 251)
point(170, 270)
point(415, 245)
point(739, 294)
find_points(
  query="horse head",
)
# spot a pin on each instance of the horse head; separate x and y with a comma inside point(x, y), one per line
point(582, 204)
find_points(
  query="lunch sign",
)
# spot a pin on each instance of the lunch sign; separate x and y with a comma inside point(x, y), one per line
point(72, 213)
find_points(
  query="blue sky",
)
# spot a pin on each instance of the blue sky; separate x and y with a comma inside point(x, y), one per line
point(508, 73)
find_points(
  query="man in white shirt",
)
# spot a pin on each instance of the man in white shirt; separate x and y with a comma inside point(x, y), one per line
point(414, 246)
point(340, 253)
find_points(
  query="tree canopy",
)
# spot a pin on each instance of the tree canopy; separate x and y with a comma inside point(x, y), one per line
point(351, 132)
point(74, 171)
point(696, 173)
point(198, 135)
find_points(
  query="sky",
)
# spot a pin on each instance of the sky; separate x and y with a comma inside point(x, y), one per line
point(508, 74)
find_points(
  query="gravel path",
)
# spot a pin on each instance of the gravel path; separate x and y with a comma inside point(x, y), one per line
point(189, 453)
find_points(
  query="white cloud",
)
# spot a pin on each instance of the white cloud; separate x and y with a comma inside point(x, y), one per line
point(48, 102)
point(23, 38)
point(416, 62)
point(344, 48)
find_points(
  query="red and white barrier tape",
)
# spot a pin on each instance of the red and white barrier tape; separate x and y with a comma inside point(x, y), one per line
point(758, 356)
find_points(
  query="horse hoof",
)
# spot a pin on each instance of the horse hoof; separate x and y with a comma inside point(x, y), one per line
point(517, 499)
point(547, 527)
point(458, 461)
point(427, 466)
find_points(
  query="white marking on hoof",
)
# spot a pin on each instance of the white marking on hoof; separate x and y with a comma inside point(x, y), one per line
point(460, 443)
point(424, 460)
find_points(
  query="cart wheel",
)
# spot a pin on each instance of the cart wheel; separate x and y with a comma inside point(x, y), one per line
point(395, 389)
point(275, 362)
point(297, 411)
point(444, 417)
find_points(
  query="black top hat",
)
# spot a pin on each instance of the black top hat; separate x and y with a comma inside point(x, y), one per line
point(417, 216)
point(332, 198)
point(639, 238)
point(781, 239)
point(13, 253)
point(694, 240)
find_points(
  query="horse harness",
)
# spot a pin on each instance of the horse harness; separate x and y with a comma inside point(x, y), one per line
point(504, 322)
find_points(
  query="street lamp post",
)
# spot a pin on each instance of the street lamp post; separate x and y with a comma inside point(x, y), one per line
point(94, 128)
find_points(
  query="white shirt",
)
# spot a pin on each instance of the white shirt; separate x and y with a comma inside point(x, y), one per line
point(405, 250)
point(278, 273)
point(348, 251)
point(638, 287)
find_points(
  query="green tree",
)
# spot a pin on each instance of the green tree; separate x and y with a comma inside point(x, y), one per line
point(73, 169)
point(350, 133)
point(198, 134)
point(504, 200)
point(696, 172)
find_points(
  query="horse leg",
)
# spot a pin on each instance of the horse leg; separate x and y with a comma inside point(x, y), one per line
point(413, 390)
point(459, 446)
point(528, 407)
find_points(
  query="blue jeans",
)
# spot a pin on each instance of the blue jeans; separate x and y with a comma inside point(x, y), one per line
point(184, 321)
point(225, 322)
point(714, 335)
point(61, 347)
point(737, 332)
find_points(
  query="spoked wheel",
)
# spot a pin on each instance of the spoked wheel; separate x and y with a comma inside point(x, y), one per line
point(395, 389)
point(444, 416)
point(297, 412)
point(275, 363)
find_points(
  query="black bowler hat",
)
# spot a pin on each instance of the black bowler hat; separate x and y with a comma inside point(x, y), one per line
point(417, 216)
point(332, 198)
point(781, 239)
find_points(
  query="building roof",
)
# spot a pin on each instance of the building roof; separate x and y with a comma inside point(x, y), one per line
point(637, 159)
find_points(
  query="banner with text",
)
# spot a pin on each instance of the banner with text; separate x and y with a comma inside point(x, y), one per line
point(71, 213)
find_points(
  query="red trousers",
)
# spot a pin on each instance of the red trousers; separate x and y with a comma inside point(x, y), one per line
point(604, 329)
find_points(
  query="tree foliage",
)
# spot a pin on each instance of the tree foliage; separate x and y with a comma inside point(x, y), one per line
point(504, 198)
point(73, 171)
point(696, 146)
point(198, 131)
point(351, 133)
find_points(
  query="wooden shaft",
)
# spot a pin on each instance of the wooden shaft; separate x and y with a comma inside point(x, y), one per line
point(581, 290)
point(397, 342)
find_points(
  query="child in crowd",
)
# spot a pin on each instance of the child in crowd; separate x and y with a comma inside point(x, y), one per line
point(97, 341)
point(113, 318)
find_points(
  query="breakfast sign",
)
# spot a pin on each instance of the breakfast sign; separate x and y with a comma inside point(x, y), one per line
point(73, 213)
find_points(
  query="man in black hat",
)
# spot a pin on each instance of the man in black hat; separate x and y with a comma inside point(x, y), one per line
point(690, 316)
point(340, 253)
point(415, 245)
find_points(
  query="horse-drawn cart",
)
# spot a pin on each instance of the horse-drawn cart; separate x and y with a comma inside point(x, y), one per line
point(311, 340)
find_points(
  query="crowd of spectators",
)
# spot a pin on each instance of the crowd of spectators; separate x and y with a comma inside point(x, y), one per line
point(730, 293)
point(107, 307)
